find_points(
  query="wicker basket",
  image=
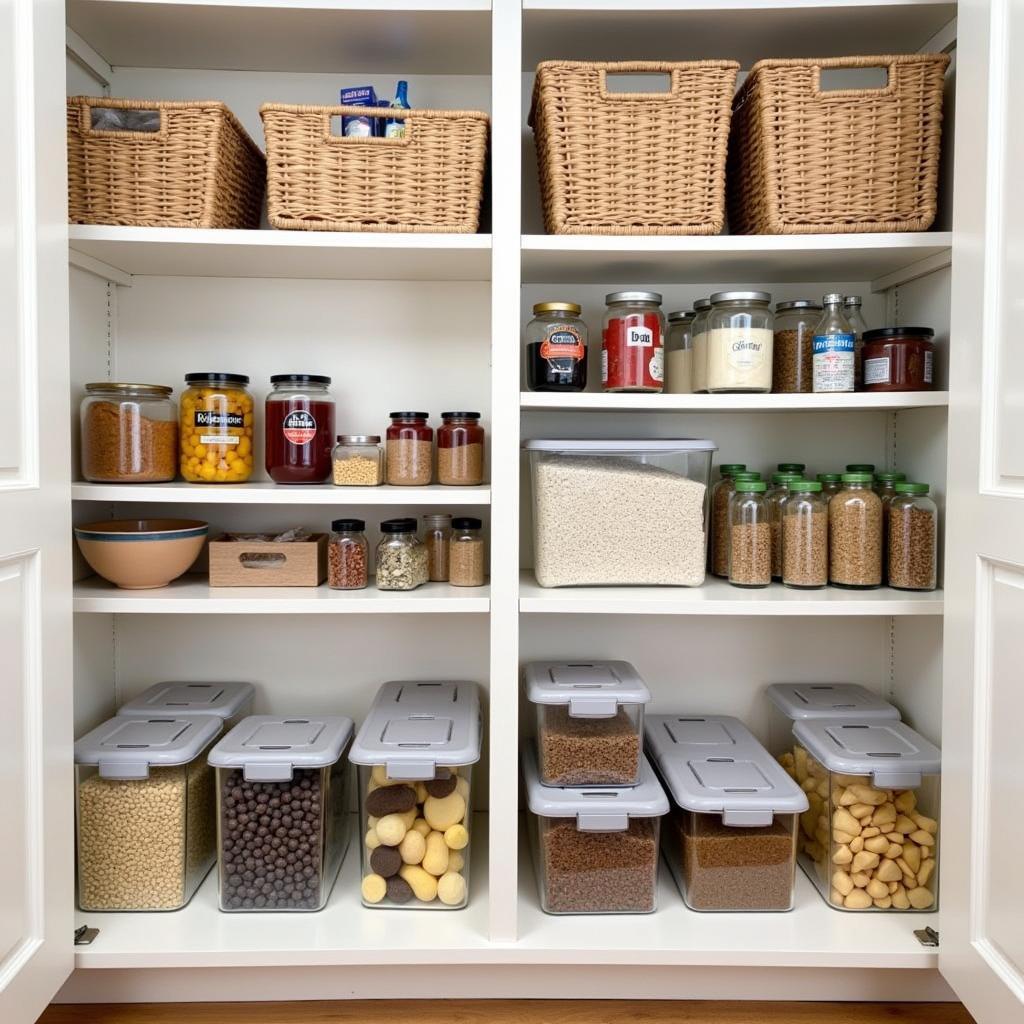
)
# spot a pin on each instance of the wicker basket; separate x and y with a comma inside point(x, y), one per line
point(430, 180)
point(803, 160)
point(200, 170)
point(632, 163)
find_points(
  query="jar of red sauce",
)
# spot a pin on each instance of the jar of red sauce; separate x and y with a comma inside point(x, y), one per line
point(899, 359)
point(632, 344)
point(460, 449)
point(300, 428)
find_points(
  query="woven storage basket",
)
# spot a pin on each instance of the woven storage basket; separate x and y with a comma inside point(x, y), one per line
point(430, 180)
point(632, 163)
point(200, 170)
point(804, 160)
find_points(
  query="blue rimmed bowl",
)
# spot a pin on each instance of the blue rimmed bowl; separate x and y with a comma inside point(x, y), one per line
point(141, 554)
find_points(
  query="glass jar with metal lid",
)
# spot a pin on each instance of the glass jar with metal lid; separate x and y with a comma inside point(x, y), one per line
point(299, 423)
point(632, 349)
point(792, 366)
point(699, 335)
point(216, 428)
point(358, 460)
point(740, 342)
point(679, 354)
point(556, 348)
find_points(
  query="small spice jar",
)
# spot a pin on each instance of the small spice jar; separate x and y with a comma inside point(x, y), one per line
point(792, 366)
point(740, 339)
point(775, 499)
point(460, 449)
point(632, 350)
point(899, 359)
point(357, 461)
point(216, 428)
point(720, 496)
point(129, 433)
point(299, 422)
point(402, 562)
point(348, 555)
point(913, 538)
point(437, 535)
point(805, 537)
point(466, 555)
point(831, 483)
point(855, 534)
point(699, 337)
point(679, 354)
point(556, 348)
point(410, 450)
point(750, 537)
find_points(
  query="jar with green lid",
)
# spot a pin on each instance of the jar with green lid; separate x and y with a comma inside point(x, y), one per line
point(556, 348)
point(855, 534)
point(913, 538)
point(831, 483)
point(720, 494)
point(860, 467)
point(885, 483)
point(699, 336)
point(679, 354)
point(805, 536)
point(775, 500)
point(791, 467)
point(750, 538)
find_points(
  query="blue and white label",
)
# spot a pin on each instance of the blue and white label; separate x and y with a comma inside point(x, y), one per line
point(833, 362)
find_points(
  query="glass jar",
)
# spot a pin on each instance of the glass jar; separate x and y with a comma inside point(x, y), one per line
point(299, 425)
point(750, 538)
point(860, 467)
point(851, 310)
point(357, 461)
point(885, 483)
point(855, 534)
point(632, 349)
point(699, 336)
point(679, 354)
point(460, 449)
point(791, 467)
point(437, 535)
point(129, 433)
point(831, 483)
point(913, 538)
point(833, 346)
point(740, 338)
point(791, 346)
point(556, 348)
point(410, 450)
point(402, 562)
point(466, 558)
point(720, 495)
point(775, 500)
point(348, 555)
point(899, 359)
point(216, 428)
point(805, 537)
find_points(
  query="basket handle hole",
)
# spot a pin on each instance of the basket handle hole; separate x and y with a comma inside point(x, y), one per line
point(626, 83)
point(853, 79)
point(118, 119)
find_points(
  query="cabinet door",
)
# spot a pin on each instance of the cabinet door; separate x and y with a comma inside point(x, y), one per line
point(982, 828)
point(36, 865)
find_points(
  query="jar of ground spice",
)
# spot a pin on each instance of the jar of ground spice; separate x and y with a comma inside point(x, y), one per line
point(348, 555)
point(129, 433)
point(410, 450)
point(460, 449)
point(775, 498)
point(855, 534)
point(750, 536)
point(792, 367)
point(437, 536)
point(720, 494)
point(804, 537)
point(913, 520)
point(466, 562)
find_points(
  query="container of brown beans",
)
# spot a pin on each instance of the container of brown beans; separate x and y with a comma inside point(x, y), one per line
point(855, 534)
point(913, 523)
point(460, 449)
point(791, 352)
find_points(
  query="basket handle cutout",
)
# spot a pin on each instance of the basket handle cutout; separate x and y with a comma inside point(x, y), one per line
point(878, 79)
point(123, 121)
point(640, 83)
point(333, 123)
point(262, 559)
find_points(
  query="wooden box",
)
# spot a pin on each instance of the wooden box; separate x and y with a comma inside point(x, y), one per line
point(299, 563)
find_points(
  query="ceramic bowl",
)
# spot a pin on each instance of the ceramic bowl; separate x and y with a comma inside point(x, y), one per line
point(141, 554)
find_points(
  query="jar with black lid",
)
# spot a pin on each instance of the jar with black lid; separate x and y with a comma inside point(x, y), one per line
point(556, 348)
point(299, 423)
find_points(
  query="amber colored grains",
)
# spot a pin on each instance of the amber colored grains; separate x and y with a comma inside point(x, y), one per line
point(805, 549)
point(750, 554)
point(466, 563)
point(588, 751)
point(120, 444)
point(462, 464)
point(855, 539)
point(410, 462)
point(911, 548)
point(792, 359)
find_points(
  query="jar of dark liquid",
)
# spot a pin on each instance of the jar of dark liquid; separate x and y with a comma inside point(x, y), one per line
point(556, 348)
point(300, 428)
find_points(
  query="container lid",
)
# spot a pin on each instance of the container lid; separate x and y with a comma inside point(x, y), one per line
point(591, 689)
point(268, 748)
point(782, 307)
point(701, 305)
point(911, 487)
point(860, 467)
point(595, 808)
point(299, 378)
point(620, 447)
point(852, 300)
point(799, 701)
point(409, 415)
point(126, 747)
point(745, 486)
point(786, 476)
point(898, 332)
point(805, 486)
point(830, 478)
point(224, 700)
point(413, 728)
point(348, 525)
point(217, 378)
point(460, 415)
point(888, 477)
point(713, 765)
point(857, 478)
point(558, 307)
point(152, 390)
point(741, 297)
point(633, 296)
point(398, 526)
point(728, 468)
point(890, 752)
point(358, 438)
point(680, 316)
point(467, 523)
point(791, 467)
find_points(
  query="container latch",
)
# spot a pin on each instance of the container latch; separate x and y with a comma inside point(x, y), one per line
point(124, 769)
point(596, 822)
point(748, 819)
point(896, 779)
point(411, 770)
point(256, 772)
point(593, 707)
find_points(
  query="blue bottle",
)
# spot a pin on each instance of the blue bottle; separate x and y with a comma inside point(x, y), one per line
point(393, 127)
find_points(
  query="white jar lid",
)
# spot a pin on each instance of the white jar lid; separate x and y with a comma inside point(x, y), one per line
point(126, 747)
point(830, 700)
point(591, 689)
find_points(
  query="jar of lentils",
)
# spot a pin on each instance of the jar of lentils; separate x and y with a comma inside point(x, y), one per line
point(855, 534)
point(410, 450)
point(348, 555)
point(805, 537)
point(792, 369)
point(460, 449)
point(750, 539)
point(775, 499)
point(437, 536)
point(831, 483)
point(632, 350)
point(913, 538)
point(357, 461)
point(466, 560)
point(720, 497)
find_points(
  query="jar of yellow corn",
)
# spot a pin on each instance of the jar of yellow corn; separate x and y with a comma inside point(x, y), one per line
point(216, 428)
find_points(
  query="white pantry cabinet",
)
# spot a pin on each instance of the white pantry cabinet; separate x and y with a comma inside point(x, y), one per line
point(434, 322)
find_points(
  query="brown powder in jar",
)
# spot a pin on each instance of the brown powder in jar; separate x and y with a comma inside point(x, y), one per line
point(587, 751)
point(750, 555)
point(855, 539)
point(438, 545)
point(792, 359)
point(466, 563)
point(410, 462)
point(805, 549)
point(120, 444)
point(463, 464)
point(911, 548)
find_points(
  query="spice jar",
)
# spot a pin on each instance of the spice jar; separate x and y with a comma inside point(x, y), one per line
point(699, 336)
point(679, 354)
point(722, 492)
point(348, 555)
point(556, 348)
point(899, 359)
point(913, 538)
point(216, 428)
point(632, 349)
point(410, 450)
point(805, 536)
point(739, 347)
point(466, 557)
point(129, 433)
point(851, 310)
point(855, 534)
point(401, 556)
point(792, 349)
point(750, 538)
point(299, 425)
point(460, 449)
point(775, 500)
point(358, 461)
point(437, 535)
point(831, 483)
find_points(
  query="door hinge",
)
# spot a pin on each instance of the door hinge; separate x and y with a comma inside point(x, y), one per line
point(927, 936)
point(84, 935)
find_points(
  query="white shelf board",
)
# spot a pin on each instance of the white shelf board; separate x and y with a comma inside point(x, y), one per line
point(267, 493)
point(597, 402)
point(323, 255)
point(192, 594)
point(718, 597)
point(585, 259)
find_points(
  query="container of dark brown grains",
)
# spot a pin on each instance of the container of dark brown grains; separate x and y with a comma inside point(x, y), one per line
point(730, 839)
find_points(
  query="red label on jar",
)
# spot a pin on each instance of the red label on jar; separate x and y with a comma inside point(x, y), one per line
point(632, 353)
point(299, 427)
point(563, 343)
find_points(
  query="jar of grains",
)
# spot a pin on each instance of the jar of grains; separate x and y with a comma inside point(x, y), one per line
point(720, 496)
point(913, 538)
point(791, 349)
point(885, 484)
point(410, 450)
point(679, 354)
point(129, 433)
point(740, 342)
point(831, 483)
point(216, 428)
point(775, 500)
point(348, 555)
point(805, 537)
point(358, 460)
point(460, 449)
point(899, 359)
point(466, 559)
point(750, 538)
point(437, 535)
point(855, 534)
point(699, 336)
point(632, 350)
point(299, 424)
point(556, 348)
point(401, 557)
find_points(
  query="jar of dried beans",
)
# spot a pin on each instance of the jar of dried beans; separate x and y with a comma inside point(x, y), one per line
point(913, 538)
point(460, 449)
point(750, 537)
point(129, 433)
point(437, 535)
point(804, 536)
point(775, 499)
point(348, 555)
point(855, 534)
point(720, 495)
point(358, 461)
point(740, 337)
point(632, 351)
point(402, 562)
point(410, 450)
point(792, 369)
point(466, 566)
point(216, 428)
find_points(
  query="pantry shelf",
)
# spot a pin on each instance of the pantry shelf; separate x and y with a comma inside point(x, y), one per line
point(586, 402)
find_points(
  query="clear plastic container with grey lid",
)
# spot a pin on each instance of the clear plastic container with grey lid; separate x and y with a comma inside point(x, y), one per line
point(730, 841)
point(415, 751)
point(590, 721)
point(595, 849)
point(283, 794)
point(144, 808)
point(876, 829)
point(230, 702)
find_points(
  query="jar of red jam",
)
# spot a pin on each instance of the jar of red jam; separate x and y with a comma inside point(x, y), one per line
point(409, 450)
point(460, 449)
point(899, 359)
point(632, 343)
point(300, 428)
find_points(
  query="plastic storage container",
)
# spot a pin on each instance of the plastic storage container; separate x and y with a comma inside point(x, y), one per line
point(875, 824)
point(590, 721)
point(144, 808)
point(416, 750)
point(620, 512)
point(230, 702)
point(595, 851)
point(294, 772)
point(731, 840)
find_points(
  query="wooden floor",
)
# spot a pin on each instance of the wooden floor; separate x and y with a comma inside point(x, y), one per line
point(534, 1011)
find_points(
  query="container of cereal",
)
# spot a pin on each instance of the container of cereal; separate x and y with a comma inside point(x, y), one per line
point(415, 751)
point(144, 809)
point(230, 702)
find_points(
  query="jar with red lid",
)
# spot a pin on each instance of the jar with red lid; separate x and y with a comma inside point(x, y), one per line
point(899, 359)
point(460, 449)
point(299, 428)
point(409, 447)
point(632, 347)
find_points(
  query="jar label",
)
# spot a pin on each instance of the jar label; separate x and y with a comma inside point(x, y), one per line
point(876, 371)
point(218, 439)
point(604, 366)
point(639, 337)
point(656, 367)
point(562, 343)
point(833, 362)
point(631, 354)
point(928, 367)
point(299, 427)
point(228, 420)
point(745, 352)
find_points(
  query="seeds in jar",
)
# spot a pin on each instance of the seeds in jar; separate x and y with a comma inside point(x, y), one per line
point(466, 563)
point(463, 464)
point(402, 568)
point(855, 536)
point(805, 549)
point(409, 462)
point(587, 751)
point(346, 565)
point(750, 554)
point(357, 471)
point(911, 547)
point(121, 444)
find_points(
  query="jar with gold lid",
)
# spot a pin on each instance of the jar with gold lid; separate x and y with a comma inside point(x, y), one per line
point(556, 348)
